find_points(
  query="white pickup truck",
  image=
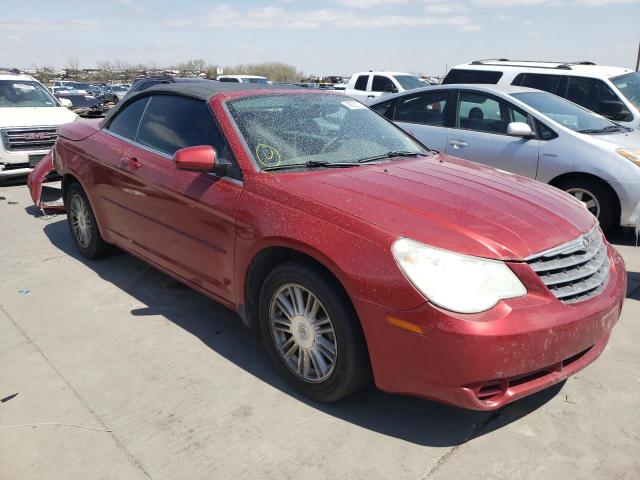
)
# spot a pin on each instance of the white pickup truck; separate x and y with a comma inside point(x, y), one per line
point(29, 120)
point(368, 85)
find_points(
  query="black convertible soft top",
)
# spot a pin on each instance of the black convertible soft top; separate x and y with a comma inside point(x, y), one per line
point(203, 90)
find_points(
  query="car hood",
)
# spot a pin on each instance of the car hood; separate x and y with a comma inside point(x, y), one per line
point(450, 203)
point(34, 116)
point(619, 140)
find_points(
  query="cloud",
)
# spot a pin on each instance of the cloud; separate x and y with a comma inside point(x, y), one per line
point(371, 3)
point(32, 23)
point(225, 16)
point(131, 6)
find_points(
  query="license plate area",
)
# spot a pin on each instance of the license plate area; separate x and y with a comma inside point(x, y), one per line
point(35, 159)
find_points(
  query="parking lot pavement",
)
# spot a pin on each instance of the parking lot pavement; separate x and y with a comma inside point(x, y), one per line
point(110, 369)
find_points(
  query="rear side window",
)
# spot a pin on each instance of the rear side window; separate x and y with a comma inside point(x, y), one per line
point(539, 81)
point(126, 122)
point(382, 84)
point(426, 108)
point(361, 82)
point(472, 76)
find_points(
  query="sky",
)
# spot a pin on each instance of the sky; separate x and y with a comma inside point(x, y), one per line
point(322, 37)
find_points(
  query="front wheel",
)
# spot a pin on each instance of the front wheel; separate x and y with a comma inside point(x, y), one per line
point(83, 225)
point(312, 334)
point(596, 197)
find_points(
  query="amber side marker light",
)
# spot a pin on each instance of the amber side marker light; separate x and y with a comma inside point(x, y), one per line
point(404, 325)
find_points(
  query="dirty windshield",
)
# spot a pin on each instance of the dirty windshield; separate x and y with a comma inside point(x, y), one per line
point(308, 129)
point(15, 93)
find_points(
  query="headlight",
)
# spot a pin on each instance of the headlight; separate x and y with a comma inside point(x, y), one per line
point(631, 154)
point(456, 282)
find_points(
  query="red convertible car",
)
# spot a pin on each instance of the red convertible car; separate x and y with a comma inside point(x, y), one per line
point(357, 251)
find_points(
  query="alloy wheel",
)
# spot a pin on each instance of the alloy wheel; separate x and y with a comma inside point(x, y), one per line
point(303, 333)
point(80, 220)
point(588, 198)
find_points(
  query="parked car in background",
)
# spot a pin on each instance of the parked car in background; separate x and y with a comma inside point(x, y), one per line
point(115, 93)
point(613, 92)
point(243, 79)
point(29, 120)
point(354, 248)
point(531, 133)
point(141, 84)
point(367, 85)
point(84, 104)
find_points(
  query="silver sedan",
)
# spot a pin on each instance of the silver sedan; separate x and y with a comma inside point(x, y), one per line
point(531, 133)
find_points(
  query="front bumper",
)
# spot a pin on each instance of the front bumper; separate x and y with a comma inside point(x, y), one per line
point(484, 361)
point(19, 164)
point(629, 196)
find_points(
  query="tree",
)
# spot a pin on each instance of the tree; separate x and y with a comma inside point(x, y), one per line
point(73, 64)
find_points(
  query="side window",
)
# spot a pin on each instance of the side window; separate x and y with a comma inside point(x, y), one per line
point(472, 76)
point(544, 132)
point(361, 82)
point(171, 122)
point(540, 81)
point(382, 84)
point(589, 92)
point(127, 120)
point(482, 113)
point(426, 108)
point(385, 109)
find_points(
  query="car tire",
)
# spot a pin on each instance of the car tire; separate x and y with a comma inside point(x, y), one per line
point(334, 324)
point(597, 198)
point(82, 224)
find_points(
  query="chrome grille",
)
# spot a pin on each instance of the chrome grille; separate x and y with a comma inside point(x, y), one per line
point(577, 270)
point(38, 138)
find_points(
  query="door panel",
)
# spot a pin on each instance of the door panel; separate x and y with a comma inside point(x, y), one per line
point(480, 134)
point(432, 137)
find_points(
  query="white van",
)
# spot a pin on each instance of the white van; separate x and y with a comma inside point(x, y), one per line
point(29, 120)
point(368, 85)
point(243, 79)
point(613, 92)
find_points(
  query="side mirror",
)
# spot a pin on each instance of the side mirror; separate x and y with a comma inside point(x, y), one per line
point(65, 102)
point(519, 129)
point(612, 109)
point(196, 159)
point(202, 158)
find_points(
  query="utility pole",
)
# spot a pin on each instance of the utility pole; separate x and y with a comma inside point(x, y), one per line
point(638, 60)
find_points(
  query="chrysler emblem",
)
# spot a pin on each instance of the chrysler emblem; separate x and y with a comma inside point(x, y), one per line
point(586, 241)
point(35, 136)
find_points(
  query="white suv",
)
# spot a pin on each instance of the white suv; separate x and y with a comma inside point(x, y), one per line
point(367, 85)
point(613, 92)
point(29, 120)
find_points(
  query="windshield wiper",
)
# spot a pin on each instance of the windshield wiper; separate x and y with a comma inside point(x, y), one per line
point(311, 163)
point(390, 154)
point(610, 128)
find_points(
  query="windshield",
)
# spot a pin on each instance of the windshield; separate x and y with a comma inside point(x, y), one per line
point(254, 80)
point(629, 86)
point(409, 82)
point(283, 130)
point(15, 93)
point(565, 113)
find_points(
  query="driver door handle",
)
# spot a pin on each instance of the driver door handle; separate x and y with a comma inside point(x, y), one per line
point(130, 163)
point(458, 143)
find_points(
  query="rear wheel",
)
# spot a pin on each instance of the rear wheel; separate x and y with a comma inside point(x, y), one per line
point(312, 334)
point(596, 197)
point(83, 225)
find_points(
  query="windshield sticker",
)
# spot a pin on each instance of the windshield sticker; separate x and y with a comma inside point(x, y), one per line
point(353, 105)
point(267, 155)
point(24, 86)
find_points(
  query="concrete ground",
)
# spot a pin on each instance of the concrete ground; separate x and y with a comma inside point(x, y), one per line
point(112, 370)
